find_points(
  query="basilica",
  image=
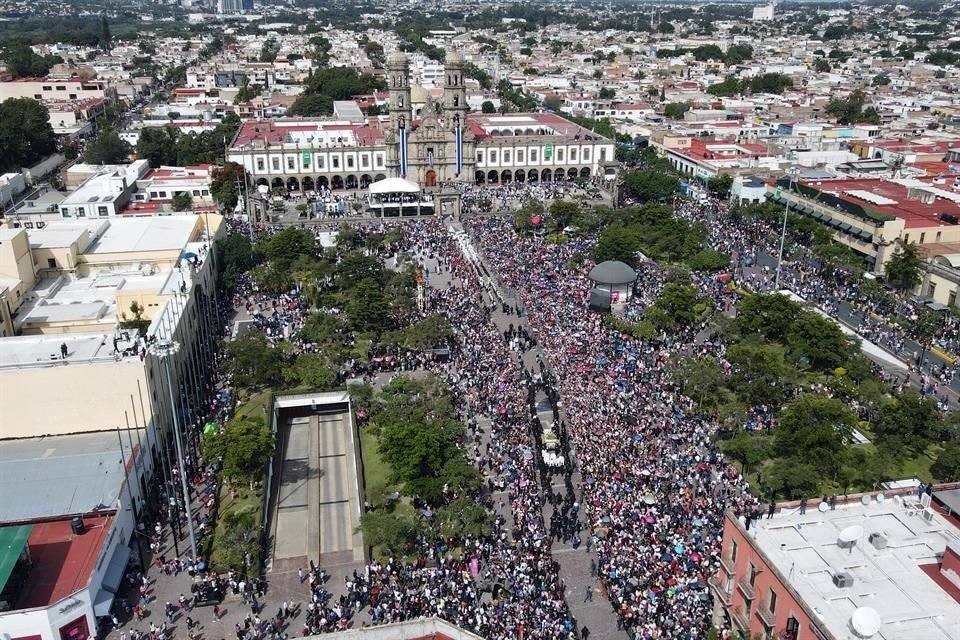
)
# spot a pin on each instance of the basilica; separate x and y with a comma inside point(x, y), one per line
point(429, 143)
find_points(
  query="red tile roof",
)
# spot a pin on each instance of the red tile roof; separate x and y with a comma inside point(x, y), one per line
point(913, 212)
point(62, 561)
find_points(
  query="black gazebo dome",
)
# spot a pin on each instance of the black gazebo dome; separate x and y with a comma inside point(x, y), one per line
point(613, 272)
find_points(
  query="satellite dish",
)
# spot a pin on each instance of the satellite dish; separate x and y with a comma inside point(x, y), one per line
point(881, 497)
point(865, 622)
point(823, 507)
point(849, 536)
point(865, 500)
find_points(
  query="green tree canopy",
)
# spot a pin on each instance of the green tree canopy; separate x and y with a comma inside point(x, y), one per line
point(245, 447)
point(617, 243)
point(311, 370)
point(947, 466)
point(814, 430)
point(903, 268)
point(253, 361)
point(289, 244)
point(908, 424)
point(649, 185)
point(182, 202)
point(235, 257)
point(767, 315)
point(223, 185)
point(26, 136)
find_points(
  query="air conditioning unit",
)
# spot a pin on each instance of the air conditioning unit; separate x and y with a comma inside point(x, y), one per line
point(842, 580)
point(928, 515)
point(878, 540)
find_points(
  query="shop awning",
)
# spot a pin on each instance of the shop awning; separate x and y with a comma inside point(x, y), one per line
point(845, 227)
point(12, 542)
point(111, 580)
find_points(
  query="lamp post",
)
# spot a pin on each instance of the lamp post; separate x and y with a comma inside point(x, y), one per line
point(164, 350)
point(402, 125)
point(783, 235)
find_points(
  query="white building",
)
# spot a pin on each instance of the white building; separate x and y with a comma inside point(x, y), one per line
point(764, 13)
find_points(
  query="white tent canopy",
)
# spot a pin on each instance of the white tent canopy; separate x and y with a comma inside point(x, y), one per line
point(394, 185)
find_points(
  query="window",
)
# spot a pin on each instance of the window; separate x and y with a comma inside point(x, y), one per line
point(259, 164)
point(792, 629)
point(73, 96)
point(291, 163)
point(480, 157)
point(47, 87)
point(506, 156)
point(349, 162)
point(275, 163)
point(559, 155)
point(906, 238)
point(51, 263)
point(520, 155)
point(320, 162)
point(61, 87)
point(752, 574)
point(923, 237)
point(533, 155)
point(81, 212)
point(365, 161)
point(37, 96)
point(952, 299)
point(335, 162)
point(586, 155)
point(196, 193)
point(772, 600)
point(573, 155)
point(493, 157)
point(938, 236)
point(603, 155)
point(733, 550)
point(65, 212)
point(102, 212)
point(306, 160)
point(379, 160)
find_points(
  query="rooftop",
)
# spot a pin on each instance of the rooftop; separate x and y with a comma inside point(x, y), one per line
point(896, 581)
point(161, 233)
point(893, 197)
point(57, 476)
point(62, 561)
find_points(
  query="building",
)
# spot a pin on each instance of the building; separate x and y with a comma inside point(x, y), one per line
point(873, 215)
point(433, 144)
point(421, 629)
point(56, 90)
point(764, 13)
point(879, 566)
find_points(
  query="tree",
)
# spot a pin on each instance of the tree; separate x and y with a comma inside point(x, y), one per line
point(252, 360)
point(908, 424)
point(553, 103)
point(649, 185)
point(289, 244)
point(793, 480)
point(822, 65)
point(814, 430)
point(617, 243)
point(182, 202)
point(817, 339)
point(903, 268)
point(366, 308)
point(310, 370)
point(750, 449)
point(708, 260)
point(158, 145)
point(847, 110)
point(737, 54)
point(767, 315)
point(235, 257)
point(678, 302)
point(22, 62)
point(417, 452)
point(394, 534)
point(357, 266)
point(105, 37)
point(223, 185)
point(238, 543)
point(947, 466)
point(487, 107)
point(720, 185)
point(245, 447)
point(729, 88)
point(562, 214)
point(26, 136)
point(606, 93)
point(880, 80)
point(758, 372)
point(675, 110)
point(464, 518)
point(770, 83)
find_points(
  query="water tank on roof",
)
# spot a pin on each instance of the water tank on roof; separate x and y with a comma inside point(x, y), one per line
point(878, 540)
point(76, 525)
point(842, 580)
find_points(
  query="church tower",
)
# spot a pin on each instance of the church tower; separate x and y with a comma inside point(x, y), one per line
point(454, 90)
point(398, 76)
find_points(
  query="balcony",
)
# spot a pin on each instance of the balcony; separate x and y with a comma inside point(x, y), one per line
point(745, 587)
point(765, 615)
point(728, 564)
point(720, 591)
point(740, 618)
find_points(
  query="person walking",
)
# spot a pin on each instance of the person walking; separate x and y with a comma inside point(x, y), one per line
point(588, 596)
point(585, 633)
point(216, 612)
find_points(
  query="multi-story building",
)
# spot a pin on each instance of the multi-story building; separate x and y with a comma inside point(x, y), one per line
point(439, 142)
point(47, 89)
point(880, 566)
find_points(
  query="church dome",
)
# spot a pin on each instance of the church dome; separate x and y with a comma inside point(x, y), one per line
point(397, 57)
point(418, 94)
point(454, 57)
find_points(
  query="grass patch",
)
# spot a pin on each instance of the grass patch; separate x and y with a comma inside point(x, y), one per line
point(375, 470)
point(255, 404)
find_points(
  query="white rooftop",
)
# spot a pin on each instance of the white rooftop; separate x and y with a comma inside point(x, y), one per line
point(160, 233)
point(889, 580)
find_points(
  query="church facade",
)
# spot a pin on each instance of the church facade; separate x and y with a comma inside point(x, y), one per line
point(431, 143)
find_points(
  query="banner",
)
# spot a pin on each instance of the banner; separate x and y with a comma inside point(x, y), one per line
point(459, 150)
point(548, 151)
point(306, 157)
point(403, 152)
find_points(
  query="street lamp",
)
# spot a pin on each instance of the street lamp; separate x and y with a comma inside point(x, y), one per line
point(164, 350)
point(783, 235)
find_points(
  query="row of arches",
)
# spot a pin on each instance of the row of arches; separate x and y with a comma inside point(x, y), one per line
point(333, 183)
point(532, 176)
